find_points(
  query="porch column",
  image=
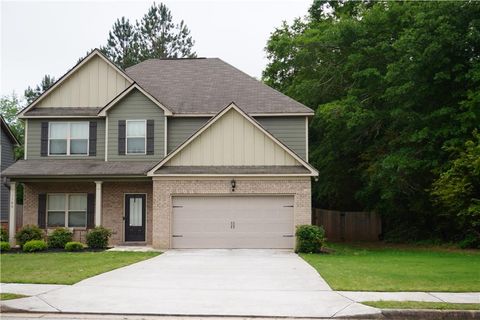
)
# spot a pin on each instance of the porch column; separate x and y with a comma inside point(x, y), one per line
point(12, 219)
point(98, 203)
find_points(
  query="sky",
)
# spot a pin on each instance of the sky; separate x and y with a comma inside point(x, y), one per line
point(39, 38)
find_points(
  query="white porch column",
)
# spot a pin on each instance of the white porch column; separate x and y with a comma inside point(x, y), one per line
point(98, 203)
point(12, 219)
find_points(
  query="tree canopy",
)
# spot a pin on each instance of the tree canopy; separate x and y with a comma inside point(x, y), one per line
point(155, 35)
point(395, 89)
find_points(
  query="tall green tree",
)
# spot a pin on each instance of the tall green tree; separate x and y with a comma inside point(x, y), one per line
point(160, 37)
point(33, 93)
point(122, 44)
point(395, 86)
point(155, 35)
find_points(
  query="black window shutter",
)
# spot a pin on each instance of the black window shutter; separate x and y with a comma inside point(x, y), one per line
point(90, 210)
point(44, 139)
point(150, 136)
point(92, 149)
point(121, 137)
point(42, 210)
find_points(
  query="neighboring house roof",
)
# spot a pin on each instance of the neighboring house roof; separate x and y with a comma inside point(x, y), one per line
point(8, 131)
point(94, 53)
point(91, 168)
point(155, 170)
point(206, 85)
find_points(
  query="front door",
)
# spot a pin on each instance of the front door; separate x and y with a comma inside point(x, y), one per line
point(135, 217)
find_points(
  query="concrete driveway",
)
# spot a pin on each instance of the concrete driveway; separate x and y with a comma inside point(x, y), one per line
point(204, 282)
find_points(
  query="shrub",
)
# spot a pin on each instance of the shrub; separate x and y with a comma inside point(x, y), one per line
point(35, 245)
point(97, 238)
point(471, 241)
point(3, 234)
point(4, 246)
point(73, 246)
point(28, 233)
point(59, 238)
point(310, 239)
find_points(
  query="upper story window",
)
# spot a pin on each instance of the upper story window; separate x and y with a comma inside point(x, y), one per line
point(68, 138)
point(136, 136)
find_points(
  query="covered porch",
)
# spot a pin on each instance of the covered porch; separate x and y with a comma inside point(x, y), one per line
point(81, 199)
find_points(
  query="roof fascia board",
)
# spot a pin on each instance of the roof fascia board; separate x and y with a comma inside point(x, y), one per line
point(278, 114)
point(103, 111)
point(92, 54)
point(59, 117)
point(230, 106)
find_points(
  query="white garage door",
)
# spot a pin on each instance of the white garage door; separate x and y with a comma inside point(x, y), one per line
point(233, 222)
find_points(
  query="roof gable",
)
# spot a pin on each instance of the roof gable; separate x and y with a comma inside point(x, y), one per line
point(121, 96)
point(93, 82)
point(232, 138)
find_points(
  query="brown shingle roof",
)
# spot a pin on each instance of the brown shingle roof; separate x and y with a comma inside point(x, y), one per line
point(64, 111)
point(91, 168)
point(206, 85)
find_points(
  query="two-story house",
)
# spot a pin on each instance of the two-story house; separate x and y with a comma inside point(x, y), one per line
point(7, 157)
point(174, 153)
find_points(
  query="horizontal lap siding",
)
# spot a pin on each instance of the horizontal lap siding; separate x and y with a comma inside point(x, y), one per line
point(34, 135)
point(289, 130)
point(8, 158)
point(180, 129)
point(136, 106)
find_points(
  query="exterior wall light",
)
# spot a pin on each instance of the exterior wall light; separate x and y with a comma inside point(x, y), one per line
point(233, 183)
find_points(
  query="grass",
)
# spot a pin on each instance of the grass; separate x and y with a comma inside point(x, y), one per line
point(64, 267)
point(422, 305)
point(10, 296)
point(398, 268)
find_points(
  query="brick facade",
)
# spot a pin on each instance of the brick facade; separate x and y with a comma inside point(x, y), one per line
point(159, 200)
point(164, 188)
point(112, 203)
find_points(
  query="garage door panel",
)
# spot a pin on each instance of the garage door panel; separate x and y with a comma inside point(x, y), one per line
point(233, 222)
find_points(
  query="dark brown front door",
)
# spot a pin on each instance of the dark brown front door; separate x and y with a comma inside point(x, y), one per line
point(135, 217)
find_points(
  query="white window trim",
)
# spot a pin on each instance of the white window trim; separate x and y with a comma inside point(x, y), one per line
point(126, 137)
point(69, 123)
point(66, 212)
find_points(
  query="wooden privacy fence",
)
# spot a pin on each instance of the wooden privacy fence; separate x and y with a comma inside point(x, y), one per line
point(348, 225)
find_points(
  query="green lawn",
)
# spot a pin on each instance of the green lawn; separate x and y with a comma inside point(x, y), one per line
point(422, 305)
point(64, 267)
point(395, 268)
point(10, 296)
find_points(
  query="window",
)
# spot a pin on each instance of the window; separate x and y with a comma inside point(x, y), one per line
point(68, 138)
point(136, 136)
point(67, 210)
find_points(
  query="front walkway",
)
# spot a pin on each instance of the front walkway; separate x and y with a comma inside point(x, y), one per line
point(214, 283)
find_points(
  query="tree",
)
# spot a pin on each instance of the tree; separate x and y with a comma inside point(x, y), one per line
point(160, 37)
point(395, 86)
point(122, 44)
point(32, 94)
point(154, 36)
point(9, 107)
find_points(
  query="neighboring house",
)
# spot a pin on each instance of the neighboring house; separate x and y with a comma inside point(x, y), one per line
point(7, 157)
point(174, 153)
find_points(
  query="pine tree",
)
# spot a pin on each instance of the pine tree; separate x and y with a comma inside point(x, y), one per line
point(32, 94)
point(122, 44)
point(160, 37)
